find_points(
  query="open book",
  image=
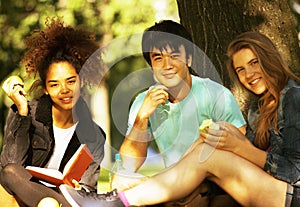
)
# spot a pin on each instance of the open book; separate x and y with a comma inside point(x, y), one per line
point(74, 169)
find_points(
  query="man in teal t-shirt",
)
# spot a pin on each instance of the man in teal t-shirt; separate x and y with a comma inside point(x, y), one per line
point(171, 111)
point(175, 126)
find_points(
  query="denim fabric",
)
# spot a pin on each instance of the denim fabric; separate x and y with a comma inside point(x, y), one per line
point(283, 156)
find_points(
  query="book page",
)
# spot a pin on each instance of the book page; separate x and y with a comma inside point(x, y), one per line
point(74, 169)
point(46, 171)
point(51, 176)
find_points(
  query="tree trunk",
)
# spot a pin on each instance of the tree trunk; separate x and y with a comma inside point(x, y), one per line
point(214, 23)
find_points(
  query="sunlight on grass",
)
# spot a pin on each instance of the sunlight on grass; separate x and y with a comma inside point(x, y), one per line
point(103, 182)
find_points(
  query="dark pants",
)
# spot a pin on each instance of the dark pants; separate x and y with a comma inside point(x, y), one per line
point(292, 196)
point(16, 180)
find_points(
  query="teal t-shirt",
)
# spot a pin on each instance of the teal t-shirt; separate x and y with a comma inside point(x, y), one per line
point(174, 126)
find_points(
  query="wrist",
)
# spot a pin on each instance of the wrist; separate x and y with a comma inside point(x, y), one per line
point(23, 111)
point(141, 121)
point(239, 148)
point(143, 116)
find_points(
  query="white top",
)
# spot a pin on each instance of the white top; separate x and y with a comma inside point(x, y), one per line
point(62, 138)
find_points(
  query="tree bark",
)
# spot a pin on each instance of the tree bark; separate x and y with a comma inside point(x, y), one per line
point(214, 23)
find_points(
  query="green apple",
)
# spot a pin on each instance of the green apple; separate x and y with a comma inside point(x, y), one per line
point(10, 82)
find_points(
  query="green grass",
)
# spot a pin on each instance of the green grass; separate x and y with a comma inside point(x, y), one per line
point(103, 182)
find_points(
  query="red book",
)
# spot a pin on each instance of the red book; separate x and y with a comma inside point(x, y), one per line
point(74, 169)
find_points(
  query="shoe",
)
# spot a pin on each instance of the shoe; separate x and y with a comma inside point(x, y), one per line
point(81, 198)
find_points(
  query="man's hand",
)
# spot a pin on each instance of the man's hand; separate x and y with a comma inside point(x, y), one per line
point(155, 96)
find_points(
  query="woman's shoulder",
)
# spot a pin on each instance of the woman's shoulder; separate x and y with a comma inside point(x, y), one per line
point(33, 102)
point(292, 94)
point(40, 106)
point(292, 87)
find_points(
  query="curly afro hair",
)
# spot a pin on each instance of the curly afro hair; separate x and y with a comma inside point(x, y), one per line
point(58, 43)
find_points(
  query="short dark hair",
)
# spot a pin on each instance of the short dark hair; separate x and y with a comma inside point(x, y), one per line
point(166, 32)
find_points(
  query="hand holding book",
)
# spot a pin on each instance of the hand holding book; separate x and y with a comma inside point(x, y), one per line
point(73, 170)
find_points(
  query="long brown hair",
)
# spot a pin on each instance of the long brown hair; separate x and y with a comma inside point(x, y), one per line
point(275, 73)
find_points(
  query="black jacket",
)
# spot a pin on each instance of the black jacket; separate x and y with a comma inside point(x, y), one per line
point(29, 140)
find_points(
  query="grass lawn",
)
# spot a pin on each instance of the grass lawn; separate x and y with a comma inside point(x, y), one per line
point(103, 182)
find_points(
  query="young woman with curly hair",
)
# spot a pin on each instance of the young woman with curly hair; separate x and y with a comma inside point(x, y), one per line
point(47, 130)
